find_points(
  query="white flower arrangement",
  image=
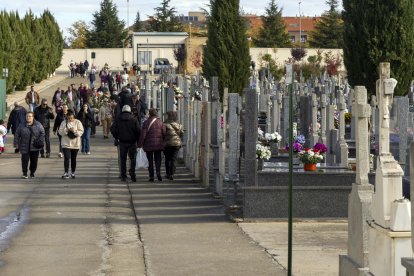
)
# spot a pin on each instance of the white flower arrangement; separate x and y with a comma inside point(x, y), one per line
point(263, 152)
point(266, 138)
point(164, 84)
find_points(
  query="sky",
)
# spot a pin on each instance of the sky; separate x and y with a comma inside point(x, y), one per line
point(67, 12)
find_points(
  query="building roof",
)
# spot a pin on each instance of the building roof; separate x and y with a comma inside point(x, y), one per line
point(293, 23)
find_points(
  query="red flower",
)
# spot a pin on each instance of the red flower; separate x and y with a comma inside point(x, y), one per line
point(306, 149)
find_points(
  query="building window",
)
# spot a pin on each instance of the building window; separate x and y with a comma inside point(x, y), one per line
point(304, 38)
point(292, 38)
point(294, 25)
point(144, 57)
point(195, 18)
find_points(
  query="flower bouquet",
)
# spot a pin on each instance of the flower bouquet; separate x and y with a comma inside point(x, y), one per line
point(267, 138)
point(297, 144)
point(311, 156)
point(262, 152)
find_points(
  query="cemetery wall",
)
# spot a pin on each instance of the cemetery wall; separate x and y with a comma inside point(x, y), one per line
point(115, 56)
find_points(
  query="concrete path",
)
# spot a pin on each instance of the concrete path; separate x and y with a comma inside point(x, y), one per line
point(185, 232)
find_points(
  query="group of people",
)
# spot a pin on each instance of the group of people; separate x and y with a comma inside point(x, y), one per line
point(123, 115)
point(154, 136)
point(78, 69)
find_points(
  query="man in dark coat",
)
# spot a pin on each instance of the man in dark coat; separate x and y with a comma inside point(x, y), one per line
point(43, 114)
point(126, 130)
point(17, 117)
point(26, 134)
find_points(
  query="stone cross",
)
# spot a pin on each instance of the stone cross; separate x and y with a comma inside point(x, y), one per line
point(362, 112)
point(356, 262)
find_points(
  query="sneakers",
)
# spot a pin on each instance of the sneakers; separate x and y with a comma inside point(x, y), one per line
point(32, 175)
point(159, 178)
point(24, 177)
point(88, 153)
point(72, 175)
point(60, 155)
point(48, 155)
point(65, 175)
point(133, 178)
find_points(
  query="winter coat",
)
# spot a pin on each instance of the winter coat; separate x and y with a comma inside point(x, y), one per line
point(174, 133)
point(68, 143)
point(126, 128)
point(85, 119)
point(29, 99)
point(16, 118)
point(25, 138)
point(43, 116)
point(152, 139)
point(60, 117)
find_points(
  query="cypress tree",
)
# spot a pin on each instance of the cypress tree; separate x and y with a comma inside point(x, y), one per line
point(107, 30)
point(165, 19)
point(55, 41)
point(31, 57)
point(8, 47)
point(329, 29)
point(379, 31)
point(137, 27)
point(273, 33)
point(227, 51)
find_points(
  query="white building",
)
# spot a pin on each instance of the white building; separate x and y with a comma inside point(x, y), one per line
point(147, 46)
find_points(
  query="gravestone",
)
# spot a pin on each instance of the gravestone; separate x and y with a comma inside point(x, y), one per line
point(401, 105)
point(285, 121)
point(389, 212)
point(305, 120)
point(250, 140)
point(314, 117)
point(322, 137)
point(408, 261)
point(356, 260)
point(330, 124)
point(342, 146)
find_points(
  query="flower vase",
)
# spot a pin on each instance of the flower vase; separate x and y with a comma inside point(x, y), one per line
point(309, 167)
point(260, 164)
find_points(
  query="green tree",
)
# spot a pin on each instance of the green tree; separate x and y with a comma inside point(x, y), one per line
point(55, 40)
point(8, 48)
point(137, 27)
point(379, 31)
point(329, 29)
point(273, 33)
point(107, 30)
point(227, 51)
point(165, 19)
point(78, 32)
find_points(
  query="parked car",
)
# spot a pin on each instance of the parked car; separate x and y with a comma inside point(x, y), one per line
point(162, 65)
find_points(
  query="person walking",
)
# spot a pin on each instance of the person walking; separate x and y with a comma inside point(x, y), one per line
point(105, 116)
point(85, 116)
point(138, 107)
point(3, 133)
point(173, 143)
point(29, 136)
point(32, 99)
point(152, 141)
point(126, 130)
point(60, 117)
point(43, 114)
point(71, 131)
point(16, 118)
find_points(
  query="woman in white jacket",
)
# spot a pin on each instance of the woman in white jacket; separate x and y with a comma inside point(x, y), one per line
point(71, 131)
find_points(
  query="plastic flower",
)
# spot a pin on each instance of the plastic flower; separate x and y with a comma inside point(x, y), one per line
point(320, 147)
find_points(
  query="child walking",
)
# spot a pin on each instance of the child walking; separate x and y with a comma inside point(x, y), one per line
point(3, 132)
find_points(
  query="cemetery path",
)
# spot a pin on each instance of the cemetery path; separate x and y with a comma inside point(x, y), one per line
point(185, 231)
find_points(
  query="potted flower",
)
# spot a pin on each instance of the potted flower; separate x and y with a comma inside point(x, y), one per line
point(311, 156)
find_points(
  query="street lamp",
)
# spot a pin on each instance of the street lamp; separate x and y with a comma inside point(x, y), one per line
point(300, 27)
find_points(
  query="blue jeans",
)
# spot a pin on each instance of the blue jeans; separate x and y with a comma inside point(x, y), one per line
point(32, 107)
point(86, 136)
